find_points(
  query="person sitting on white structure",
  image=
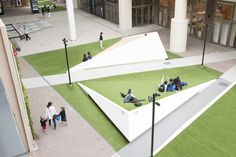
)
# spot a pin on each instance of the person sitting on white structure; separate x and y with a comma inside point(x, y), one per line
point(130, 98)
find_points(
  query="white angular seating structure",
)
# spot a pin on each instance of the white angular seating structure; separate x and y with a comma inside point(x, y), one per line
point(137, 49)
point(143, 48)
point(133, 123)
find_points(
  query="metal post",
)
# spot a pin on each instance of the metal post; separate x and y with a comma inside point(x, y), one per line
point(153, 122)
point(67, 61)
point(204, 47)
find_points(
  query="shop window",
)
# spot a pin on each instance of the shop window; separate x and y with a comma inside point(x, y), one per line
point(141, 2)
point(224, 10)
point(232, 40)
point(235, 14)
point(164, 3)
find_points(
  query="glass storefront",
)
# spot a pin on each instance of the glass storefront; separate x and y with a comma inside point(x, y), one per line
point(224, 27)
point(112, 12)
point(107, 9)
point(223, 23)
point(142, 12)
point(196, 12)
point(166, 12)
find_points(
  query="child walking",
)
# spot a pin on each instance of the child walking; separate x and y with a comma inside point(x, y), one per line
point(63, 116)
point(43, 122)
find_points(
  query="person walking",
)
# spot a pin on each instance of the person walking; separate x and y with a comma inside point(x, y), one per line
point(51, 114)
point(101, 40)
point(27, 37)
point(43, 122)
point(43, 11)
point(49, 11)
point(63, 116)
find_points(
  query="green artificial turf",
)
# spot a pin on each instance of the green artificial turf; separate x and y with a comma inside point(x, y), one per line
point(92, 113)
point(47, 3)
point(53, 62)
point(211, 135)
point(172, 55)
point(145, 83)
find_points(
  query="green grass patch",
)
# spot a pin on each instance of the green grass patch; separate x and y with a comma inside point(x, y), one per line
point(92, 113)
point(172, 55)
point(47, 3)
point(53, 62)
point(145, 83)
point(211, 135)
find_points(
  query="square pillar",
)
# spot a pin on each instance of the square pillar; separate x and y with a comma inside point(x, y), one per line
point(179, 27)
point(125, 14)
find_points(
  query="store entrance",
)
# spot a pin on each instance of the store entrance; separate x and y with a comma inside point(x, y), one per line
point(97, 7)
point(163, 17)
point(142, 15)
point(221, 32)
point(166, 12)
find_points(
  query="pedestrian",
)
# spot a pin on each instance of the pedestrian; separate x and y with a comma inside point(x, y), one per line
point(54, 6)
point(49, 11)
point(43, 11)
point(48, 115)
point(27, 37)
point(89, 55)
point(43, 122)
point(101, 40)
point(51, 114)
point(45, 7)
point(63, 116)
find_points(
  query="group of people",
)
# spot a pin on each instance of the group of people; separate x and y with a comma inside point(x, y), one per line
point(87, 56)
point(172, 85)
point(52, 116)
point(48, 9)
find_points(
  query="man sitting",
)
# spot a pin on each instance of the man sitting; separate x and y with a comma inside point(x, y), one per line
point(179, 85)
point(163, 87)
point(171, 86)
point(130, 98)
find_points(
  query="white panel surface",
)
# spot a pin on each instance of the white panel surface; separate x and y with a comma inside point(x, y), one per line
point(145, 48)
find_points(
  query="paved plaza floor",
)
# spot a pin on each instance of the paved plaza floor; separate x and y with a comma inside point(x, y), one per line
point(79, 138)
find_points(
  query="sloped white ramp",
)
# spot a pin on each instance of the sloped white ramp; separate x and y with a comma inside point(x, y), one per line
point(146, 47)
point(133, 123)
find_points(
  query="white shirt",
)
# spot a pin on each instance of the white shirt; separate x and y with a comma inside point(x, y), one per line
point(48, 115)
point(50, 112)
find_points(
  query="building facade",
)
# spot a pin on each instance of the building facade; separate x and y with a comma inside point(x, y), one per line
point(15, 138)
point(219, 14)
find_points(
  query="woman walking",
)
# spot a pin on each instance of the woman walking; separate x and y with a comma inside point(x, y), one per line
point(51, 114)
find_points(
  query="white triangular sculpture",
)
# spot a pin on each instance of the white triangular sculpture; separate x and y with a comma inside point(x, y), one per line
point(144, 48)
point(133, 123)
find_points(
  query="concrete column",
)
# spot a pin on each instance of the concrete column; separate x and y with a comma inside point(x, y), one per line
point(210, 11)
point(125, 14)
point(11, 81)
point(71, 19)
point(179, 27)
